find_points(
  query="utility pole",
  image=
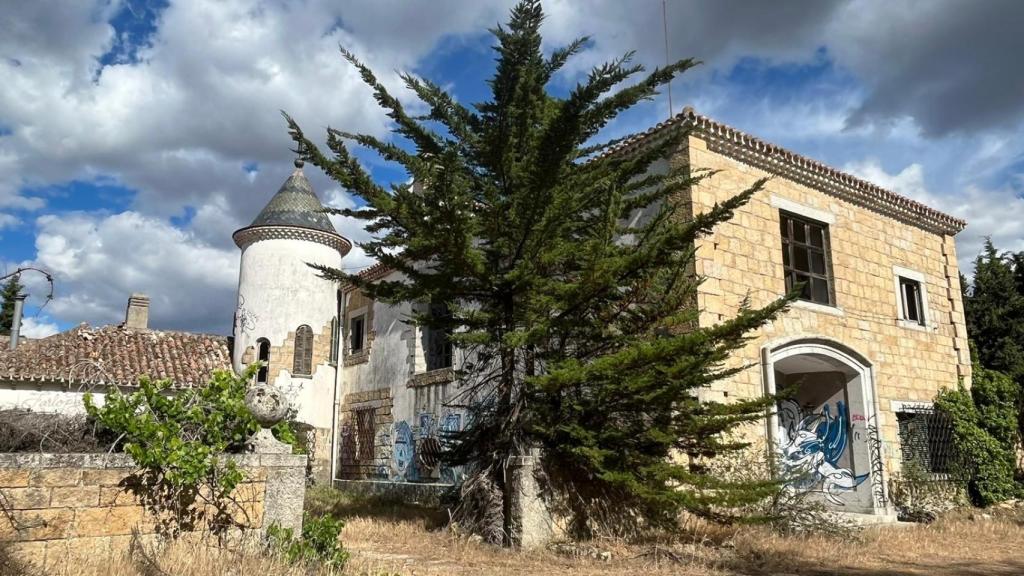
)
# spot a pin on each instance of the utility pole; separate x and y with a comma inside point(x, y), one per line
point(664, 27)
point(19, 302)
point(19, 305)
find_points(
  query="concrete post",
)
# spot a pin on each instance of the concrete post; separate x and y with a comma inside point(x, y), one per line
point(530, 524)
point(19, 308)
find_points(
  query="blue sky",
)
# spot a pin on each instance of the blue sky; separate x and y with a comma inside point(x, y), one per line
point(136, 135)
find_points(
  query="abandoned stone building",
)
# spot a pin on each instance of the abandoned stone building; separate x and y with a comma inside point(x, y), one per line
point(879, 328)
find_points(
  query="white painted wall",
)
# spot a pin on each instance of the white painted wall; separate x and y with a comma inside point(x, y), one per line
point(277, 293)
point(45, 398)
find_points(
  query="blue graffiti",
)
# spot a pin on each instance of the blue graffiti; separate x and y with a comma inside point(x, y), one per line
point(426, 425)
point(452, 423)
point(813, 446)
point(402, 455)
point(450, 426)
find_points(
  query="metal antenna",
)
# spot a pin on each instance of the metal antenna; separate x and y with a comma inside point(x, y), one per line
point(664, 26)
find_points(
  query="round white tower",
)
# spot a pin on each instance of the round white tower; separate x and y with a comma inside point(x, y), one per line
point(287, 314)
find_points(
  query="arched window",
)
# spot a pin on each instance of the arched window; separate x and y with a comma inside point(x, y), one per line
point(263, 355)
point(303, 363)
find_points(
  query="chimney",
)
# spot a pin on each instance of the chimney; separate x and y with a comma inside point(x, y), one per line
point(19, 308)
point(137, 315)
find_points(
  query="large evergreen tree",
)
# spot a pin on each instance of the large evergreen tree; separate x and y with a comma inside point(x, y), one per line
point(10, 290)
point(994, 307)
point(565, 268)
point(995, 311)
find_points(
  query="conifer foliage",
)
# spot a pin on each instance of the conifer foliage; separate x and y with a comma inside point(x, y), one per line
point(994, 307)
point(11, 288)
point(565, 267)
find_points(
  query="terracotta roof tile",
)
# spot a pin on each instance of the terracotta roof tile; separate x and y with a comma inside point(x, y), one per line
point(117, 355)
point(778, 160)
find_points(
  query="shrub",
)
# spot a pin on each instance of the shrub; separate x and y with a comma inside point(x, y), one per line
point(319, 542)
point(177, 439)
point(985, 437)
point(28, 431)
point(918, 496)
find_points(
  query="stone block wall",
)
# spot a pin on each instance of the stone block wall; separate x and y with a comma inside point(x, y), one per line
point(365, 417)
point(61, 507)
point(743, 258)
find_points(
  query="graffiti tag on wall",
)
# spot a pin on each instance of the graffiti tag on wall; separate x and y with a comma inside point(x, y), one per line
point(813, 446)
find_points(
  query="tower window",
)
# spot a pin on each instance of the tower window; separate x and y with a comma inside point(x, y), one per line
point(263, 355)
point(302, 365)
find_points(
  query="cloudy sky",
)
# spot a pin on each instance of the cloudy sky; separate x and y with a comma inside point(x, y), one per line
point(136, 135)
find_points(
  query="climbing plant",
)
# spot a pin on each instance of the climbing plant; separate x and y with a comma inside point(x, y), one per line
point(178, 439)
point(985, 435)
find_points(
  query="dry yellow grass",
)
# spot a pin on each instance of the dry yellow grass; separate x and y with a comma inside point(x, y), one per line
point(180, 559)
point(386, 539)
point(954, 546)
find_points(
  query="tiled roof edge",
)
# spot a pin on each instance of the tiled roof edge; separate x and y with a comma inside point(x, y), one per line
point(775, 159)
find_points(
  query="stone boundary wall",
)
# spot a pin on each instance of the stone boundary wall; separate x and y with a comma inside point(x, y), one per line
point(58, 508)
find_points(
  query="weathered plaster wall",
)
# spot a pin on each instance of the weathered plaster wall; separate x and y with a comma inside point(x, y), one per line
point(64, 507)
point(409, 405)
point(743, 258)
point(40, 397)
point(277, 293)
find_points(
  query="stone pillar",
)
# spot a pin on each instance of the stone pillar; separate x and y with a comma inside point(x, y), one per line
point(529, 521)
point(286, 490)
point(286, 472)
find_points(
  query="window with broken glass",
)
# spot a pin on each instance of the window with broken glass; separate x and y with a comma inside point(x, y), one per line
point(357, 333)
point(912, 300)
point(805, 258)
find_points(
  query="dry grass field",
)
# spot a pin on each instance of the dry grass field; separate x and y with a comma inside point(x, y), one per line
point(386, 539)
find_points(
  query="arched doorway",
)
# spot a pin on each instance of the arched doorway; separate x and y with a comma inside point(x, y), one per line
point(824, 429)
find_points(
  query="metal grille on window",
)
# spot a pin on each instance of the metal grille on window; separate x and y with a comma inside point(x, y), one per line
point(926, 439)
point(439, 343)
point(365, 427)
point(303, 362)
point(805, 258)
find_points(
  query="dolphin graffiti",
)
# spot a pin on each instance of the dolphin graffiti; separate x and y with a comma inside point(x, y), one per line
point(812, 445)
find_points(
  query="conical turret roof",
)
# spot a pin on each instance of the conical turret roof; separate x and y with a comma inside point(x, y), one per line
point(295, 204)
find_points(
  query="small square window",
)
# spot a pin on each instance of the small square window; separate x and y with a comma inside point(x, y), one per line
point(912, 301)
point(356, 333)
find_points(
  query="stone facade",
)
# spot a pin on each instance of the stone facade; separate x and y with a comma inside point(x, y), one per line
point(364, 436)
point(743, 258)
point(855, 361)
point(63, 507)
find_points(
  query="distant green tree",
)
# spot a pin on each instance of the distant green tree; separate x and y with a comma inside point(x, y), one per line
point(995, 311)
point(10, 290)
point(994, 308)
point(564, 270)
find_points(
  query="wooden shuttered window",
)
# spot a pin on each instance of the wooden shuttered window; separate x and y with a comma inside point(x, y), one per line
point(303, 363)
